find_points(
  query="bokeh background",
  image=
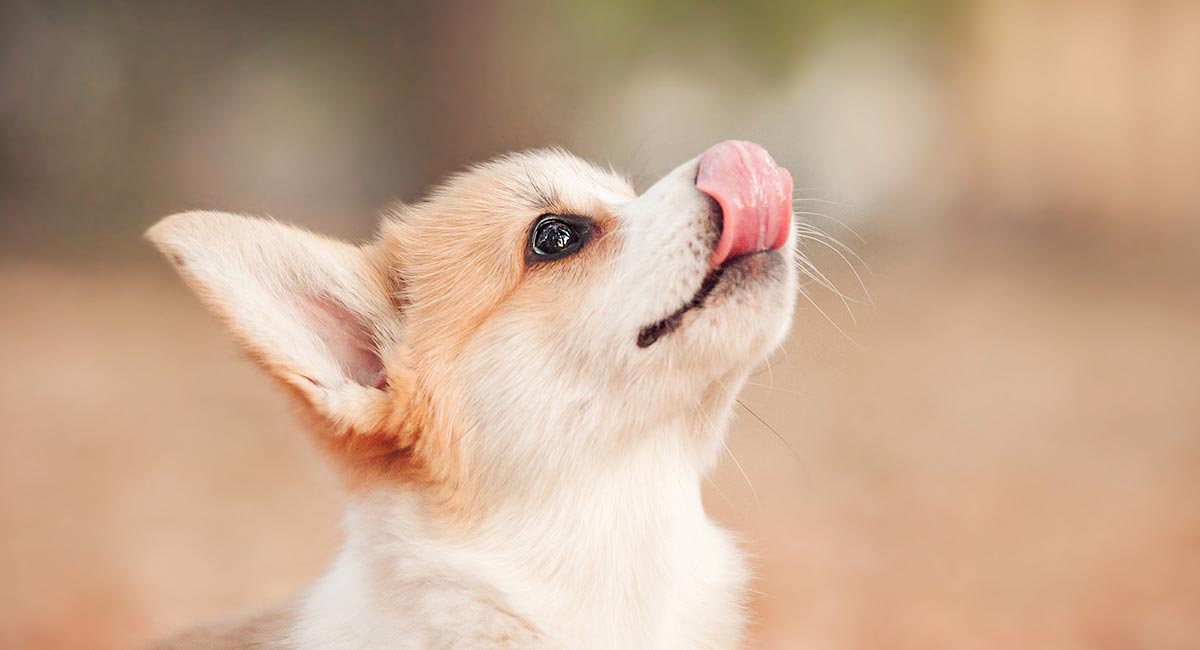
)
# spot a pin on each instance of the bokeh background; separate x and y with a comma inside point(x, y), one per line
point(987, 436)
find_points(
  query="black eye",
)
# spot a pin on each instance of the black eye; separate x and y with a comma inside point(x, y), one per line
point(556, 236)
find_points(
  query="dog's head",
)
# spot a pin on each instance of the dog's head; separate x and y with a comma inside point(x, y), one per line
point(532, 318)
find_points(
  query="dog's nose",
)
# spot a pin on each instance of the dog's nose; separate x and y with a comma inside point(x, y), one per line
point(755, 195)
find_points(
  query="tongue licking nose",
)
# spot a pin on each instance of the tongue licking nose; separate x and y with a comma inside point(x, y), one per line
point(755, 196)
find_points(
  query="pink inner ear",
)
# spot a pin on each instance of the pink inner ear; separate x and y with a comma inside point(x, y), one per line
point(348, 338)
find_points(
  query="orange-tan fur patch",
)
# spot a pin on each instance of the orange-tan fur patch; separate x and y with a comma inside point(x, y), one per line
point(438, 271)
point(478, 225)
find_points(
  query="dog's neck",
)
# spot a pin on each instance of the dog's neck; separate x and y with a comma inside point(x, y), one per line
point(624, 557)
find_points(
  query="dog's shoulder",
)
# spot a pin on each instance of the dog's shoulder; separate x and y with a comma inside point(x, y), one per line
point(268, 630)
point(414, 605)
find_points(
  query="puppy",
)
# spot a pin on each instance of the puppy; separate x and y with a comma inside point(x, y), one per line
point(522, 380)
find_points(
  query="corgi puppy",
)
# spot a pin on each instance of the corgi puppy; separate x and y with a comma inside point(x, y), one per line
point(521, 381)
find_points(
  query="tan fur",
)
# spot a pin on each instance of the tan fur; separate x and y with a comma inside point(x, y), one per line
point(264, 631)
point(462, 226)
point(408, 434)
point(385, 346)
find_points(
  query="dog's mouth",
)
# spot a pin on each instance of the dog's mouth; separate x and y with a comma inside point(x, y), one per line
point(654, 331)
point(752, 206)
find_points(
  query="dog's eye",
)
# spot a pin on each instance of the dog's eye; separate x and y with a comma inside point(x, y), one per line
point(555, 236)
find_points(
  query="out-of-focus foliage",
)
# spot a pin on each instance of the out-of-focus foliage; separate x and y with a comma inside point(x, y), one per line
point(769, 33)
point(114, 114)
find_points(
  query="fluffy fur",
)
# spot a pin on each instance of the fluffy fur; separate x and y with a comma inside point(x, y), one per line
point(520, 473)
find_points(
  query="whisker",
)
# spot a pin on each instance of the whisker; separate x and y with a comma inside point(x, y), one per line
point(834, 219)
point(720, 493)
point(775, 388)
point(757, 592)
point(806, 266)
point(818, 232)
point(772, 430)
point(853, 270)
point(712, 431)
point(742, 471)
point(813, 199)
point(822, 280)
point(832, 287)
point(770, 372)
point(830, 320)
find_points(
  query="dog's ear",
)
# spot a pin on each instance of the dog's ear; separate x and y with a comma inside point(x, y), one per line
point(318, 314)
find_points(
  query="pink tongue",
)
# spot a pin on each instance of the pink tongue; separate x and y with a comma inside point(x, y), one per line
point(755, 196)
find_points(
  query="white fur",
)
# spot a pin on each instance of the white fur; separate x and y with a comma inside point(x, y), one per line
point(633, 564)
point(593, 450)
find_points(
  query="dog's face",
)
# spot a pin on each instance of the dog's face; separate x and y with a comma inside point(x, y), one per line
point(531, 316)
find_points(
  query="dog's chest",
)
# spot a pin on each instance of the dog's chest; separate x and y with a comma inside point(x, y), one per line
point(676, 592)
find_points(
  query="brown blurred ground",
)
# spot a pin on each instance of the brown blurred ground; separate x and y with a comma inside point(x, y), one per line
point(1005, 456)
point(1004, 452)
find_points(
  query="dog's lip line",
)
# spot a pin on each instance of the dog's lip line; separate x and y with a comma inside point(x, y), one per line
point(651, 333)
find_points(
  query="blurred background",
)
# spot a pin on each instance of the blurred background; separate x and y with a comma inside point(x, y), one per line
point(986, 431)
